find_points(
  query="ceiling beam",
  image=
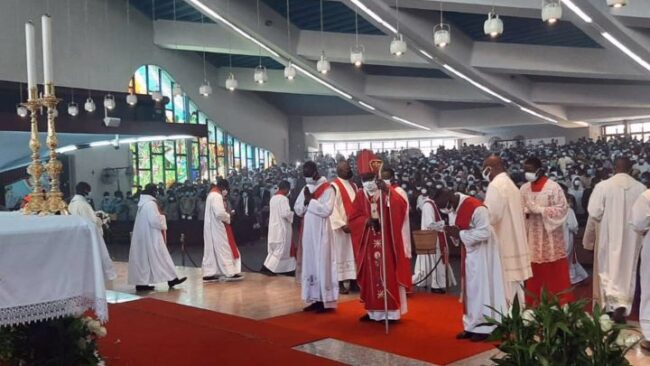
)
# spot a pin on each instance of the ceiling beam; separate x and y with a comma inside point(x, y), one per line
point(592, 95)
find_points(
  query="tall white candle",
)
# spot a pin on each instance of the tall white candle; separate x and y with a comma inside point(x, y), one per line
point(46, 23)
point(31, 55)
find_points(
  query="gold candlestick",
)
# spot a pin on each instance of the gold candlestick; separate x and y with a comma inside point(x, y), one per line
point(55, 203)
point(35, 169)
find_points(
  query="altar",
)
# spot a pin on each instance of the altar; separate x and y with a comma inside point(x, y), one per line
point(50, 267)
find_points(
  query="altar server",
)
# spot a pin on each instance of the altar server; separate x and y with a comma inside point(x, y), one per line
point(149, 259)
point(369, 234)
point(281, 256)
point(619, 245)
point(221, 258)
point(503, 201)
point(481, 271)
point(79, 206)
point(344, 191)
point(438, 262)
point(641, 223)
point(545, 208)
point(319, 277)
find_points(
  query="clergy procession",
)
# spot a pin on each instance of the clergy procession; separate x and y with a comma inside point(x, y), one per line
point(515, 244)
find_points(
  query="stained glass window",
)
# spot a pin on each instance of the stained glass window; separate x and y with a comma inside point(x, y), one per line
point(179, 109)
point(140, 78)
point(153, 78)
point(157, 169)
point(193, 113)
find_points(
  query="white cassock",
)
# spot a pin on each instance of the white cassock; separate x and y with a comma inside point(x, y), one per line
point(149, 259)
point(79, 206)
point(279, 259)
point(346, 267)
point(406, 227)
point(484, 285)
point(503, 201)
point(319, 280)
point(424, 263)
point(576, 272)
point(218, 258)
point(619, 245)
point(641, 223)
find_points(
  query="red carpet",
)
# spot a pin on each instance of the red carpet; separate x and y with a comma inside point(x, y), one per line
point(426, 333)
point(154, 332)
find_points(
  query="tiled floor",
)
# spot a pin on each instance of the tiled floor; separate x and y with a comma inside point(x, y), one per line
point(261, 297)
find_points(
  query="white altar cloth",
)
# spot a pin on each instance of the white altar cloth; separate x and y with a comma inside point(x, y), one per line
point(50, 266)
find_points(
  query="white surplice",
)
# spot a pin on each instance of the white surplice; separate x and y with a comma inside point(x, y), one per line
point(319, 280)
point(149, 259)
point(503, 201)
point(346, 267)
point(641, 223)
point(619, 245)
point(577, 273)
point(218, 258)
point(406, 226)
point(484, 284)
point(79, 206)
point(424, 263)
point(279, 259)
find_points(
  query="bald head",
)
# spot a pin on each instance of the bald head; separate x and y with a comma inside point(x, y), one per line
point(493, 166)
point(623, 165)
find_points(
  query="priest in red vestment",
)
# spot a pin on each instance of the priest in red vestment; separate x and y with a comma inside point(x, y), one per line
point(366, 228)
point(546, 209)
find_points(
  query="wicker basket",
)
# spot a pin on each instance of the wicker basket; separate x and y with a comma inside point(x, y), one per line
point(426, 241)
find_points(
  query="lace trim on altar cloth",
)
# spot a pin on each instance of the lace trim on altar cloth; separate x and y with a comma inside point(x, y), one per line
point(54, 309)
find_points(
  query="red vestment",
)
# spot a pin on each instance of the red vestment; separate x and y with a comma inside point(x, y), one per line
point(463, 220)
point(229, 232)
point(552, 276)
point(368, 251)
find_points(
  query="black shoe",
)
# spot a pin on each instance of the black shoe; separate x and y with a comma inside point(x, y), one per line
point(464, 335)
point(479, 337)
point(619, 316)
point(438, 291)
point(289, 274)
point(176, 281)
point(354, 286)
point(323, 310)
point(342, 289)
point(141, 288)
point(365, 318)
point(266, 271)
point(314, 306)
point(237, 277)
point(211, 278)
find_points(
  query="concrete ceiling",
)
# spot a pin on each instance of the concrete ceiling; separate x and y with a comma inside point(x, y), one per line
point(567, 72)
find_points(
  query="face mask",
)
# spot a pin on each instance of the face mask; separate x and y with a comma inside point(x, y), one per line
point(224, 192)
point(387, 182)
point(439, 186)
point(530, 176)
point(446, 210)
point(410, 193)
point(458, 179)
point(404, 186)
point(370, 187)
point(429, 184)
point(472, 193)
point(486, 173)
point(309, 180)
point(424, 191)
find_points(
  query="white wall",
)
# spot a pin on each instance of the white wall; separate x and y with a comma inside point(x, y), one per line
point(87, 165)
point(104, 52)
point(530, 132)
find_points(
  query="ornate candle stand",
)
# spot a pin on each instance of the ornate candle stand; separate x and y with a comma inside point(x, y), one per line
point(36, 199)
point(55, 203)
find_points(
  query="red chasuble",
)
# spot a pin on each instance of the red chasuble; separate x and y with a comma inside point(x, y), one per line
point(552, 276)
point(229, 232)
point(368, 252)
point(463, 220)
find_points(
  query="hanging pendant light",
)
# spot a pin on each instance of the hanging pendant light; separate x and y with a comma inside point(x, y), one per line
point(616, 3)
point(109, 102)
point(73, 109)
point(21, 110)
point(323, 66)
point(441, 32)
point(176, 90)
point(356, 52)
point(398, 46)
point(231, 83)
point(260, 75)
point(205, 89)
point(551, 11)
point(289, 71)
point(493, 26)
point(89, 106)
point(131, 99)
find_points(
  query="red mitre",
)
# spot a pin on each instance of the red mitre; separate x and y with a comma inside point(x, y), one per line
point(367, 162)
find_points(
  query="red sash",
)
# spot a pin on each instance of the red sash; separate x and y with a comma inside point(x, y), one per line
point(293, 252)
point(345, 196)
point(229, 233)
point(463, 219)
point(537, 185)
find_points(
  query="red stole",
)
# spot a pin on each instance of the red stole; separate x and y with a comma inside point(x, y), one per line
point(537, 185)
point(463, 220)
point(316, 194)
point(442, 237)
point(229, 233)
point(345, 196)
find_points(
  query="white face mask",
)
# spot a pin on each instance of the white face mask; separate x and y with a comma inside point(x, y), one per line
point(224, 192)
point(387, 182)
point(486, 173)
point(423, 191)
point(472, 193)
point(404, 186)
point(530, 176)
point(447, 210)
point(309, 180)
point(370, 187)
